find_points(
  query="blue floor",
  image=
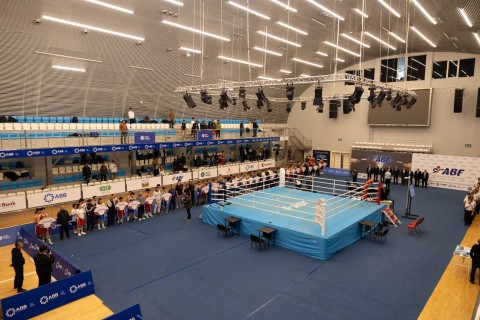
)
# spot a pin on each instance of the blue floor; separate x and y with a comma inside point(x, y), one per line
point(180, 270)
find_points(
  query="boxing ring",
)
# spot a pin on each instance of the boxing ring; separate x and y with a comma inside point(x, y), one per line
point(318, 219)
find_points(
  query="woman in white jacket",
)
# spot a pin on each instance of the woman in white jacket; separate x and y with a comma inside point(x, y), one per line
point(469, 205)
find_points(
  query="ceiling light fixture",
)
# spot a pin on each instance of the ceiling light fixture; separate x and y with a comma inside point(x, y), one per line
point(389, 8)
point(318, 5)
point(68, 68)
point(380, 40)
point(181, 26)
point(307, 62)
point(190, 50)
point(141, 68)
point(285, 71)
point(66, 57)
point(396, 37)
point(360, 12)
point(322, 53)
point(355, 40)
point(305, 75)
point(268, 35)
point(343, 49)
point(287, 7)
point(323, 24)
point(292, 28)
point(339, 60)
point(178, 3)
point(424, 11)
point(241, 61)
point(423, 37)
point(85, 26)
point(239, 6)
point(110, 6)
point(266, 78)
point(465, 16)
point(477, 37)
point(268, 51)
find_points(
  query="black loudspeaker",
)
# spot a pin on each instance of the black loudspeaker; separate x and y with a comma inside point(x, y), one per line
point(188, 99)
point(458, 103)
point(478, 104)
point(333, 111)
point(347, 107)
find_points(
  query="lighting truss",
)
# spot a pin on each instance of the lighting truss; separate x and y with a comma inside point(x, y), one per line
point(339, 77)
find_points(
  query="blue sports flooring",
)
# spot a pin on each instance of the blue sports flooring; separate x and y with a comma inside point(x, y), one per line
point(180, 270)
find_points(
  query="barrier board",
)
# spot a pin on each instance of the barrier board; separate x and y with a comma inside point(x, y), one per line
point(13, 203)
point(46, 198)
point(131, 313)
point(103, 189)
point(143, 183)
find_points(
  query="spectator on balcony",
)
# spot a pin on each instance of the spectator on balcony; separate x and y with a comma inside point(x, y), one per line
point(87, 173)
point(171, 117)
point(113, 170)
point(131, 116)
point(255, 127)
point(218, 128)
point(184, 128)
point(123, 132)
point(242, 128)
point(195, 128)
point(103, 172)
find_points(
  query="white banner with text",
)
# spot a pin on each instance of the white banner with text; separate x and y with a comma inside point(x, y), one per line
point(13, 203)
point(46, 198)
point(103, 189)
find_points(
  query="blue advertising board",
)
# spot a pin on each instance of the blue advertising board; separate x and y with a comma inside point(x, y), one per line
point(62, 268)
point(337, 172)
point(322, 155)
point(9, 235)
point(28, 153)
point(205, 135)
point(132, 313)
point(143, 137)
point(48, 297)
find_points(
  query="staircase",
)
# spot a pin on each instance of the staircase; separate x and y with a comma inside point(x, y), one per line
point(298, 139)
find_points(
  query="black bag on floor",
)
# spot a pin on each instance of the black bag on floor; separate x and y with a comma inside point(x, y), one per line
point(3, 119)
point(12, 119)
point(165, 121)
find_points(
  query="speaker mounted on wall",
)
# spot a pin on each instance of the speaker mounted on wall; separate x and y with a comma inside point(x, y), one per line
point(458, 102)
point(478, 104)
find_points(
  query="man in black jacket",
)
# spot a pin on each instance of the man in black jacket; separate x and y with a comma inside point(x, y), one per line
point(424, 178)
point(43, 265)
point(87, 173)
point(369, 172)
point(396, 174)
point(376, 171)
point(18, 261)
point(63, 219)
point(475, 255)
point(417, 175)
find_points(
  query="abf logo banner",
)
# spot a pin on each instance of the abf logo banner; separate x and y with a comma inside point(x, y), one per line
point(449, 172)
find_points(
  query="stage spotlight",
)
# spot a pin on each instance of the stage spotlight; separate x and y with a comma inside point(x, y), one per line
point(318, 100)
point(269, 107)
point(379, 99)
point(260, 95)
point(290, 91)
point(245, 106)
point(188, 99)
point(348, 107)
point(356, 96)
point(242, 93)
point(288, 108)
point(405, 100)
point(259, 104)
point(224, 96)
point(205, 97)
point(413, 100)
point(320, 108)
point(234, 101)
point(223, 104)
point(303, 105)
point(389, 95)
point(397, 101)
point(372, 95)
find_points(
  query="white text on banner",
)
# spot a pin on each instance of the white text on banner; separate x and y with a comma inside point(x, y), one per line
point(103, 189)
point(205, 173)
point(266, 164)
point(173, 178)
point(46, 198)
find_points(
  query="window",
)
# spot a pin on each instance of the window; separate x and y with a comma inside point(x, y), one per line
point(452, 68)
point(416, 68)
point(467, 68)
point(439, 70)
point(388, 70)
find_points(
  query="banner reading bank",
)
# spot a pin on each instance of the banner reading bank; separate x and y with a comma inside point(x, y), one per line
point(45, 198)
point(13, 203)
point(450, 172)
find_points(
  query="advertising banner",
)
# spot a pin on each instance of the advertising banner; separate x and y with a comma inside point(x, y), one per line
point(143, 183)
point(144, 137)
point(248, 166)
point(361, 159)
point(62, 268)
point(205, 135)
point(320, 155)
point(449, 172)
point(266, 164)
point(337, 172)
point(173, 178)
point(48, 297)
point(9, 235)
point(47, 198)
point(228, 170)
point(205, 173)
point(132, 313)
point(103, 189)
point(13, 203)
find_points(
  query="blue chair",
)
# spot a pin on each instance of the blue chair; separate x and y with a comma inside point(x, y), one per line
point(30, 183)
point(5, 136)
point(37, 119)
point(45, 119)
point(80, 120)
point(57, 134)
point(68, 178)
point(60, 119)
point(14, 136)
point(90, 120)
point(21, 184)
point(28, 119)
point(67, 120)
point(109, 120)
point(21, 119)
point(52, 119)
point(40, 135)
point(116, 120)
point(99, 120)
point(37, 182)
point(48, 135)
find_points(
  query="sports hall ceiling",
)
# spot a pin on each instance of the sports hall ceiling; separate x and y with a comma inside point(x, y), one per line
point(29, 85)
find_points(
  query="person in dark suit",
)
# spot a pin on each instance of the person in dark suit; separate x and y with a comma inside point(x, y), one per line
point(382, 174)
point(43, 265)
point(354, 175)
point(475, 255)
point(369, 172)
point(425, 176)
point(18, 261)
point(416, 177)
point(63, 219)
point(376, 171)
point(396, 174)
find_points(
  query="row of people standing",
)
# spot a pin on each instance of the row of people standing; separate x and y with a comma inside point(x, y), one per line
point(378, 174)
point(471, 204)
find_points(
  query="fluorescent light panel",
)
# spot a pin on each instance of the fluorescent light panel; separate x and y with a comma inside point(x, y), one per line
point(268, 51)
point(314, 20)
point(343, 49)
point(178, 3)
point(141, 68)
point(305, 75)
point(339, 60)
point(181, 26)
point(266, 78)
point(285, 71)
point(68, 68)
point(86, 26)
point(241, 61)
point(322, 53)
point(477, 37)
point(190, 50)
point(396, 37)
point(389, 8)
point(318, 5)
point(66, 57)
point(423, 37)
point(424, 11)
point(110, 6)
point(380, 40)
point(239, 6)
point(287, 7)
point(465, 16)
point(292, 28)
point(355, 40)
point(268, 35)
point(360, 12)
point(307, 62)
